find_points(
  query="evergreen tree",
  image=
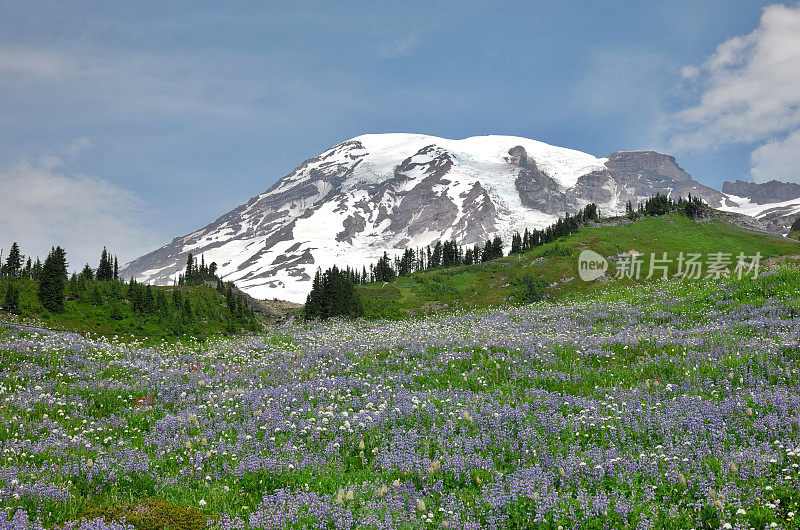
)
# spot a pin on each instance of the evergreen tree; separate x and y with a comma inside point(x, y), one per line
point(526, 241)
point(436, 257)
point(383, 270)
point(333, 294)
point(314, 306)
point(14, 261)
point(161, 304)
point(11, 300)
point(87, 273)
point(95, 296)
point(105, 271)
point(516, 243)
point(406, 265)
point(497, 247)
point(451, 254)
point(53, 280)
point(694, 209)
point(115, 311)
point(36, 270)
point(189, 273)
point(469, 257)
point(187, 313)
point(73, 287)
point(116, 269)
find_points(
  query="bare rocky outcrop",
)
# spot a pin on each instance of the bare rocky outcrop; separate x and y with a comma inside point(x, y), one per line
point(537, 191)
point(763, 193)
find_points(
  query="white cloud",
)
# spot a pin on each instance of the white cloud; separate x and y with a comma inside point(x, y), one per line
point(121, 83)
point(77, 145)
point(43, 205)
point(36, 63)
point(690, 72)
point(749, 86)
point(400, 47)
point(778, 159)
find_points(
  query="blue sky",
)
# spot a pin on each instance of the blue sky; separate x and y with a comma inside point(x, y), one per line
point(129, 123)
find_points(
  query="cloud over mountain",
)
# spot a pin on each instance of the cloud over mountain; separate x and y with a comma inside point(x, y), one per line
point(749, 95)
point(44, 204)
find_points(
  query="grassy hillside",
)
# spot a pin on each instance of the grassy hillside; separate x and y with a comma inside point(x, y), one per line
point(503, 280)
point(106, 308)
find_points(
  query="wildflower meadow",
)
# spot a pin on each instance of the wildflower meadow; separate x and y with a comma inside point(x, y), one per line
point(670, 404)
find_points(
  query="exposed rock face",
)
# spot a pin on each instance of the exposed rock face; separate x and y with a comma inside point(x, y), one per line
point(779, 219)
point(536, 190)
point(764, 193)
point(647, 173)
point(379, 193)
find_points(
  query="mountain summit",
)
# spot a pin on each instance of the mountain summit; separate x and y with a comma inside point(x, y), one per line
point(387, 192)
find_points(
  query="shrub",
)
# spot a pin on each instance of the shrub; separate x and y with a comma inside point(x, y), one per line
point(151, 514)
point(534, 288)
point(551, 251)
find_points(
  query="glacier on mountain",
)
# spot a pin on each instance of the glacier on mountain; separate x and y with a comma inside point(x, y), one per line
point(379, 193)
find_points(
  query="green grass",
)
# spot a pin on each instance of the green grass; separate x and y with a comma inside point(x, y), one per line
point(501, 281)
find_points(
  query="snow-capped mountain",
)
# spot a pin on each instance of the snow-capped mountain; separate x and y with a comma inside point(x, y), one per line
point(387, 192)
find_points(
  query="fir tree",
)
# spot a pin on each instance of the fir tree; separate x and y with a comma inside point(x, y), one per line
point(36, 270)
point(406, 265)
point(469, 257)
point(53, 280)
point(188, 275)
point(74, 287)
point(87, 273)
point(333, 294)
point(116, 269)
point(105, 271)
point(436, 257)
point(14, 261)
point(11, 300)
point(497, 247)
point(95, 296)
point(516, 243)
point(313, 307)
point(383, 270)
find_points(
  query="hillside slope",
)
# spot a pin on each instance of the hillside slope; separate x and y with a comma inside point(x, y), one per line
point(503, 280)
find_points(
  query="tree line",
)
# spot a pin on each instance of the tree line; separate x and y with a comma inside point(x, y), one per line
point(102, 287)
point(693, 207)
point(333, 291)
point(446, 254)
point(323, 300)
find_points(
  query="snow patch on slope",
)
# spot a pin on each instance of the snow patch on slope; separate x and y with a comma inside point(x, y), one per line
point(564, 165)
